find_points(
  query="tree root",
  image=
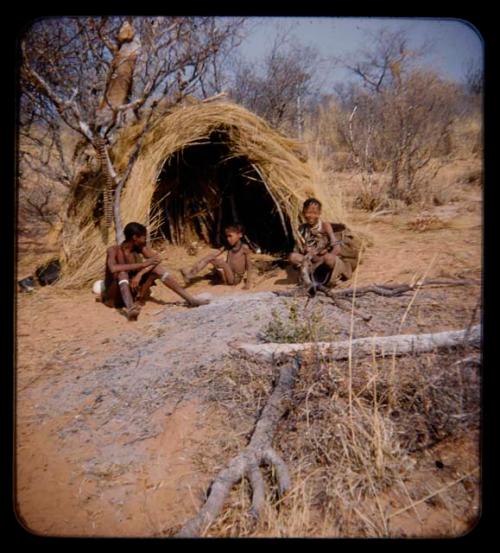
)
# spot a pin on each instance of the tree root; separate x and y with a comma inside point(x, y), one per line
point(386, 290)
point(391, 290)
point(365, 316)
point(247, 464)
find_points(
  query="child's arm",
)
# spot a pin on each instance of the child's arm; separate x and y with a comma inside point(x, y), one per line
point(249, 267)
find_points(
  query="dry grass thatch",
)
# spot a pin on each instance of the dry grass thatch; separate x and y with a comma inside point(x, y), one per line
point(284, 173)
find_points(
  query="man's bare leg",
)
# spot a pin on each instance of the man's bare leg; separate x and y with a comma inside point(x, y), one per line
point(171, 283)
point(131, 310)
point(144, 290)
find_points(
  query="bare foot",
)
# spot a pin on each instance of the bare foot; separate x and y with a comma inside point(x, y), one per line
point(133, 312)
point(186, 276)
point(196, 303)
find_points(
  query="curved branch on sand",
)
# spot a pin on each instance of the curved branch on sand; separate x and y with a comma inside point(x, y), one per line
point(247, 464)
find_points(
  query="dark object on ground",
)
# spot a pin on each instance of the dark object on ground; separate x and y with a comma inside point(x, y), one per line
point(27, 284)
point(48, 273)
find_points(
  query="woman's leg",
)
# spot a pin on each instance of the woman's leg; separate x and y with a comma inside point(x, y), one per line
point(329, 259)
point(295, 258)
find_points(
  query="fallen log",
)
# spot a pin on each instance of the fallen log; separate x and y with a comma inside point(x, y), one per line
point(247, 464)
point(398, 344)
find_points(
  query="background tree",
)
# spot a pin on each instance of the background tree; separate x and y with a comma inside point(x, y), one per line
point(91, 77)
point(473, 78)
point(283, 87)
point(397, 118)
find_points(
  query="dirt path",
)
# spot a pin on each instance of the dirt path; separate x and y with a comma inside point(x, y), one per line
point(110, 414)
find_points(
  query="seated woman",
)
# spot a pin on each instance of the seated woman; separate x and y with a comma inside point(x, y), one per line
point(328, 258)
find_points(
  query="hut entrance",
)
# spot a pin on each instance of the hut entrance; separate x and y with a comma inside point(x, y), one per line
point(202, 188)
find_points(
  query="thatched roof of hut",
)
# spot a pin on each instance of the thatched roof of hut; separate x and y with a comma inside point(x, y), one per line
point(200, 167)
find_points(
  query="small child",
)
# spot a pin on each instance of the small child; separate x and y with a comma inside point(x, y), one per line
point(237, 262)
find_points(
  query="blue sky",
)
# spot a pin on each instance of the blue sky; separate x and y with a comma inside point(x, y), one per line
point(455, 43)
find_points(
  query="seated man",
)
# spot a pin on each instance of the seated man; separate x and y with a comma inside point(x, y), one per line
point(237, 262)
point(128, 279)
point(322, 257)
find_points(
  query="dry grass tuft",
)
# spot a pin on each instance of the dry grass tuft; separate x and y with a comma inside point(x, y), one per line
point(294, 325)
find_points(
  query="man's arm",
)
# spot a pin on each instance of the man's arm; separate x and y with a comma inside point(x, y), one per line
point(152, 260)
point(115, 267)
point(149, 253)
point(134, 283)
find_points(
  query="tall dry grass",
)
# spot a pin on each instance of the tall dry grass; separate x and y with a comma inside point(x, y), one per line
point(350, 443)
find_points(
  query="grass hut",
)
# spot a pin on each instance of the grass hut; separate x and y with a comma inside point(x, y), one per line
point(200, 166)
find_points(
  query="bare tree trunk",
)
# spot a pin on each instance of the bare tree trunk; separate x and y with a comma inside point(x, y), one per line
point(379, 345)
point(259, 451)
point(393, 187)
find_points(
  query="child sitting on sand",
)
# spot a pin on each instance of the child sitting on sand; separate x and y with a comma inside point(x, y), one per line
point(237, 262)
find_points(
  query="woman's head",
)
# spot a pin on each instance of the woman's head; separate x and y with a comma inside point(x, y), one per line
point(311, 211)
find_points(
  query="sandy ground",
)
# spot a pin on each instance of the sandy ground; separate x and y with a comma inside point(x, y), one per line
point(110, 414)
